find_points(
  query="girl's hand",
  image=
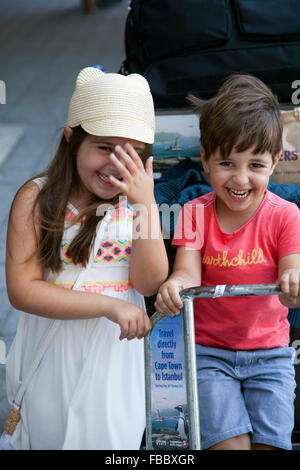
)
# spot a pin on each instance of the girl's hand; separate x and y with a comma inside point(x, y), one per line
point(168, 300)
point(137, 182)
point(290, 286)
point(133, 320)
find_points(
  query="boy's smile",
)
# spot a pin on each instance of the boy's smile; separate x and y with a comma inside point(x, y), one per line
point(239, 181)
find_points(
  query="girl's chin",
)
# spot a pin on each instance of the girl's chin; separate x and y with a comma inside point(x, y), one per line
point(104, 189)
point(107, 194)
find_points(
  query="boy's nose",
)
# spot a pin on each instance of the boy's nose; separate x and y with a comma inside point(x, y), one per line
point(241, 177)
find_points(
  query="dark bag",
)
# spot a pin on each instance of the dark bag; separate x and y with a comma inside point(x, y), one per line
point(191, 46)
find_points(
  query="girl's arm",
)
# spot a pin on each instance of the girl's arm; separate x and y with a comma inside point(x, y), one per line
point(186, 273)
point(28, 292)
point(289, 278)
point(149, 262)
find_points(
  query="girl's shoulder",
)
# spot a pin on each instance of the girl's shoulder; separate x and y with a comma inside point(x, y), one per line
point(24, 211)
point(39, 181)
point(24, 200)
point(26, 193)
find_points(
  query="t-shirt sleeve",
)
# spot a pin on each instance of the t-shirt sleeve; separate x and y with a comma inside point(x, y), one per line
point(190, 226)
point(289, 235)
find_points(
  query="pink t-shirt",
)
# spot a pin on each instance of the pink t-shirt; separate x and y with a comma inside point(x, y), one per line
point(249, 255)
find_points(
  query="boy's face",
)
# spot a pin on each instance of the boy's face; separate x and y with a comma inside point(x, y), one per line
point(241, 179)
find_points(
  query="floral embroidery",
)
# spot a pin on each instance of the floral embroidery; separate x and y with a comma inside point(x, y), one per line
point(123, 212)
point(70, 217)
point(98, 287)
point(113, 251)
point(63, 253)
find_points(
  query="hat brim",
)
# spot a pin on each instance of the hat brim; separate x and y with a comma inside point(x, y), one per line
point(120, 127)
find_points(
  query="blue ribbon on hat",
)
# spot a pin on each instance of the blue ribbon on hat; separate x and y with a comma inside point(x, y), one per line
point(98, 67)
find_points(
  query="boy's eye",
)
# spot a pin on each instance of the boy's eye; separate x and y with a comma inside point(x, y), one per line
point(226, 164)
point(256, 165)
point(104, 148)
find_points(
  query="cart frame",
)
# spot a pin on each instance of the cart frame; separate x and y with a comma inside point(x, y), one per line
point(188, 329)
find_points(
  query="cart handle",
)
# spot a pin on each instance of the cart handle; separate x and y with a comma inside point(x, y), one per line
point(222, 291)
point(230, 290)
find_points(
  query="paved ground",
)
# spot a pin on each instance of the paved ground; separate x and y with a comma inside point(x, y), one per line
point(43, 45)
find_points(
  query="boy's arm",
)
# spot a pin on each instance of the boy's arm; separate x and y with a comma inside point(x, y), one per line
point(289, 279)
point(186, 273)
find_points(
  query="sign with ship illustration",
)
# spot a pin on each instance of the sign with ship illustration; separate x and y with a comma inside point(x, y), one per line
point(177, 136)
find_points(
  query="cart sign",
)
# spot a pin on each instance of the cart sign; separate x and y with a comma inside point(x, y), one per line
point(169, 420)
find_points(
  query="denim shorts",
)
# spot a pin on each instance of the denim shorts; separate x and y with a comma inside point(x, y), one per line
point(246, 392)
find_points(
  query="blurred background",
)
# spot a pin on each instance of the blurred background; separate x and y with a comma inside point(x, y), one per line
point(45, 43)
point(43, 46)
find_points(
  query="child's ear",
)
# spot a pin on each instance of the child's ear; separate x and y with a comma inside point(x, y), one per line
point(203, 160)
point(68, 132)
point(275, 161)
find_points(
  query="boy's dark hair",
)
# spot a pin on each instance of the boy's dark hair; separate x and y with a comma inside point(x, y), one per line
point(244, 114)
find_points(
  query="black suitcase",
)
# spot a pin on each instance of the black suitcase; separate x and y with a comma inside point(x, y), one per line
point(191, 46)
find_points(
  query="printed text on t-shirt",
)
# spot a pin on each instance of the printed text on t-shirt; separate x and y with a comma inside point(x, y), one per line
point(242, 259)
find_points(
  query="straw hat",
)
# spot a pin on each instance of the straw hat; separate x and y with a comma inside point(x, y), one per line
point(110, 104)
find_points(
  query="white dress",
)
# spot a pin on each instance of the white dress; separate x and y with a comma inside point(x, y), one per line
point(88, 391)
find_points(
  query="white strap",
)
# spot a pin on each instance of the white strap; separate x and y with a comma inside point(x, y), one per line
point(55, 324)
point(42, 348)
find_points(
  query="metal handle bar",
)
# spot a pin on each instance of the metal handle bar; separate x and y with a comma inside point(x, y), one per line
point(232, 291)
point(229, 291)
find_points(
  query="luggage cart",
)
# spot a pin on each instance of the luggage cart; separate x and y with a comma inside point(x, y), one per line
point(167, 431)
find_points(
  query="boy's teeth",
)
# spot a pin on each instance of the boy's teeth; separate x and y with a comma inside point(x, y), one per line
point(239, 194)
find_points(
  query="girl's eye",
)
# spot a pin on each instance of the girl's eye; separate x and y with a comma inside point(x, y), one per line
point(104, 148)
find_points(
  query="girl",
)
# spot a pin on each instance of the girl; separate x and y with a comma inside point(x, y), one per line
point(88, 391)
point(245, 370)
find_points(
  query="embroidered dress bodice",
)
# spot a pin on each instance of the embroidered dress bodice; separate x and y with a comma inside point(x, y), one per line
point(88, 391)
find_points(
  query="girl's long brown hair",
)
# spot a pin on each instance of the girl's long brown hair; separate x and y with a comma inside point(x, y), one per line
point(62, 180)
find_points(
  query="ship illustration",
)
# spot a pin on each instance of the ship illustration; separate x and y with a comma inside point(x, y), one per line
point(159, 416)
point(176, 145)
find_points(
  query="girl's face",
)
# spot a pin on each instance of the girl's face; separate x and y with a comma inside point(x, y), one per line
point(239, 180)
point(94, 165)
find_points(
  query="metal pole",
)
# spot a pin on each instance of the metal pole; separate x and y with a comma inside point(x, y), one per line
point(191, 373)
